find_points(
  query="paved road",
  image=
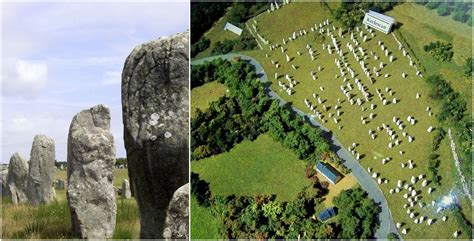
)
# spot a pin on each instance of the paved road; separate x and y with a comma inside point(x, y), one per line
point(365, 180)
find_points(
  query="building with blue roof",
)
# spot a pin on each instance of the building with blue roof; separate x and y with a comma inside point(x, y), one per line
point(327, 214)
point(328, 172)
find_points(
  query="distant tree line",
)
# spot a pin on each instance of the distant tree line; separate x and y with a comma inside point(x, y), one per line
point(265, 217)
point(459, 11)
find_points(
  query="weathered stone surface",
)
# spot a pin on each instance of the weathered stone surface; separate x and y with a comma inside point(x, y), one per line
point(155, 105)
point(41, 171)
point(16, 179)
point(125, 192)
point(91, 160)
point(177, 217)
point(3, 185)
point(60, 184)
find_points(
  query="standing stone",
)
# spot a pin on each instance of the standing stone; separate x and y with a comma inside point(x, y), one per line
point(177, 217)
point(125, 192)
point(156, 128)
point(16, 179)
point(41, 171)
point(60, 184)
point(91, 160)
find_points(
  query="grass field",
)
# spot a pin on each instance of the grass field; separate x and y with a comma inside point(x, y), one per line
point(52, 221)
point(281, 24)
point(421, 26)
point(262, 166)
point(216, 34)
point(203, 95)
point(203, 224)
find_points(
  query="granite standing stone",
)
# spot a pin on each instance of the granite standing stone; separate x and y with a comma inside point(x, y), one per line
point(41, 171)
point(155, 92)
point(126, 193)
point(177, 218)
point(91, 161)
point(16, 179)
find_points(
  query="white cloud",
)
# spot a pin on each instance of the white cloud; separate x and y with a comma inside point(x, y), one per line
point(25, 78)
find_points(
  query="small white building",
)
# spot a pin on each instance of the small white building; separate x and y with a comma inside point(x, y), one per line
point(234, 29)
point(381, 22)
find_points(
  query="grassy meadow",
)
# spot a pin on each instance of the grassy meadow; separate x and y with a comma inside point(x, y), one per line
point(201, 96)
point(262, 166)
point(53, 221)
point(282, 23)
point(217, 34)
point(421, 26)
point(203, 224)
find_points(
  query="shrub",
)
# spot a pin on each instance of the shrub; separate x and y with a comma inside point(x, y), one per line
point(468, 67)
point(440, 51)
point(224, 47)
point(444, 10)
point(460, 16)
point(392, 236)
point(432, 4)
point(200, 46)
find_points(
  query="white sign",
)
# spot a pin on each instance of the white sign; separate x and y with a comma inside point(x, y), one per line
point(379, 21)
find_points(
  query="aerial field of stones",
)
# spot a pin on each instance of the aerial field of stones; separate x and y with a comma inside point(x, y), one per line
point(368, 89)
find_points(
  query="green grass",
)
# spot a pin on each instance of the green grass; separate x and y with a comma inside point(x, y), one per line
point(280, 24)
point(203, 95)
point(262, 166)
point(203, 224)
point(216, 34)
point(53, 221)
point(421, 26)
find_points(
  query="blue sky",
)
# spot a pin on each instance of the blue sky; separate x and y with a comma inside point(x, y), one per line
point(61, 58)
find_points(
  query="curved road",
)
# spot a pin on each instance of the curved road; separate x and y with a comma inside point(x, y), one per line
point(365, 180)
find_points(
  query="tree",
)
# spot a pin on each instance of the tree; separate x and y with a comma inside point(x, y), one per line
point(357, 214)
point(200, 190)
point(444, 10)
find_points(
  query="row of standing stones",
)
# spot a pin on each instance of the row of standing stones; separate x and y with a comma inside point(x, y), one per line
point(155, 105)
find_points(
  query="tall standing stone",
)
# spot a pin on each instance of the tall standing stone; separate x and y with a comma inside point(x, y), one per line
point(156, 127)
point(16, 180)
point(41, 171)
point(91, 160)
point(177, 217)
